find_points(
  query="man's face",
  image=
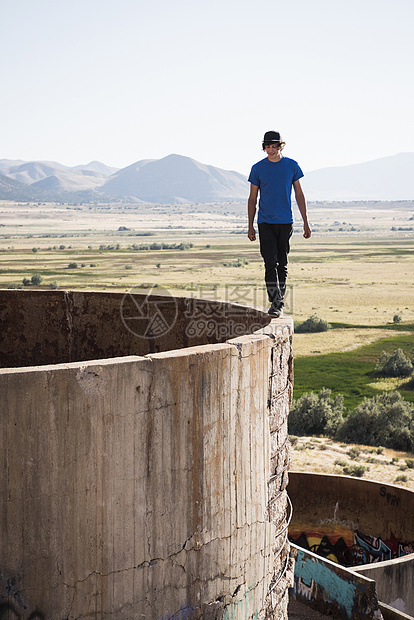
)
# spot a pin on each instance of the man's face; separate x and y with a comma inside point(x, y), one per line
point(272, 150)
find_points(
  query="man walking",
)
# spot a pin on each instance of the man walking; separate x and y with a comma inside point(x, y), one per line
point(274, 178)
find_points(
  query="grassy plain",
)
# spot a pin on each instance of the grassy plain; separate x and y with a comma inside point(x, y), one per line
point(356, 270)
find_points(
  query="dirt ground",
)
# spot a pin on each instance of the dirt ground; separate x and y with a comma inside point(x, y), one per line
point(322, 455)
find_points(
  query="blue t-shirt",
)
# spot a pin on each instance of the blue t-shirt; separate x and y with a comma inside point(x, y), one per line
point(275, 180)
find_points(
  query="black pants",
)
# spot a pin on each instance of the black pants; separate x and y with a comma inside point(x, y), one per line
point(274, 248)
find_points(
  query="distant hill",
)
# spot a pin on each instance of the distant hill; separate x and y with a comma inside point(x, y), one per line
point(388, 178)
point(16, 191)
point(178, 179)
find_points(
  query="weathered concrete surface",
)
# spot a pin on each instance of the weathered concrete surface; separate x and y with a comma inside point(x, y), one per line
point(395, 582)
point(146, 486)
point(365, 524)
point(333, 589)
point(52, 327)
point(372, 519)
point(389, 613)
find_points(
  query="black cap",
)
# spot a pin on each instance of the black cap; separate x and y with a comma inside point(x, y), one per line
point(272, 136)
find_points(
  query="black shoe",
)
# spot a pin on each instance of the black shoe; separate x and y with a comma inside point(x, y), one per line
point(274, 311)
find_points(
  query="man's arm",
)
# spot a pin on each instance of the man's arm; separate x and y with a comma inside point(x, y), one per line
point(301, 202)
point(251, 210)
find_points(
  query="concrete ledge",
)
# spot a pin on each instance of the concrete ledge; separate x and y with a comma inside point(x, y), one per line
point(388, 613)
point(395, 582)
point(332, 589)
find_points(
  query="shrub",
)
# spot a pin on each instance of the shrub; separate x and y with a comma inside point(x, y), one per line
point(311, 325)
point(402, 478)
point(36, 278)
point(409, 463)
point(355, 470)
point(340, 463)
point(397, 318)
point(353, 452)
point(386, 419)
point(73, 266)
point(315, 414)
point(410, 383)
point(394, 365)
point(53, 285)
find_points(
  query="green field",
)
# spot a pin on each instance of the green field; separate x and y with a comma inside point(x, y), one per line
point(352, 373)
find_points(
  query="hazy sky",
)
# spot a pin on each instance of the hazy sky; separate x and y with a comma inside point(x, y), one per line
point(123, 80)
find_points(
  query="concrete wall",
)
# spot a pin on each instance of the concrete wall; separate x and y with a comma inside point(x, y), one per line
point(350, 520)
point(332, 589)
point(51, 327)
point(362, 524)
point(142, 486)
point(395, 582)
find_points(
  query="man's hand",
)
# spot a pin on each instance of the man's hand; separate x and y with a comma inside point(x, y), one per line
point(307, 231)
point(251, 234)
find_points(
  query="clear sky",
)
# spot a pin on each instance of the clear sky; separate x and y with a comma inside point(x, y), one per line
point(123, 80)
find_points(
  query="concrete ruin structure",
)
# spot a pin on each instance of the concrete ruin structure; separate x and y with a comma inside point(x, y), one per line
point(144, 455)
point(353, 541)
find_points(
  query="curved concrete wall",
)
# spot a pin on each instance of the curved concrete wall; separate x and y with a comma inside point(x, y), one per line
point(361, 524)
point(51, 327)
point(146, 485)
point(353, 520)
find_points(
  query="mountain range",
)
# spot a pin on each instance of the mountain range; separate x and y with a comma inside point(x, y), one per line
point(179, 179)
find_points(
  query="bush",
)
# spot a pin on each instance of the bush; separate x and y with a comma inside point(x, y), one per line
point(354, 452)
point(397, 318)
point(355, 470)
point(36, 278)
point(314, 414)
point(410, 383)
point(401, 478)
point(311, 325)
point(340, 463)
point(386, 419)
point(394, 365)
point(73, 266)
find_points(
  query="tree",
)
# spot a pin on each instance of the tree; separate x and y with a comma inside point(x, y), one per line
point(394, 365)
point(384, 420)
point(316, 414)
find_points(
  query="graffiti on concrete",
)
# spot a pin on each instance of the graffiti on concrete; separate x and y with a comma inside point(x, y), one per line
point(392, 499)
point(332, 589)
point(361, 549)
